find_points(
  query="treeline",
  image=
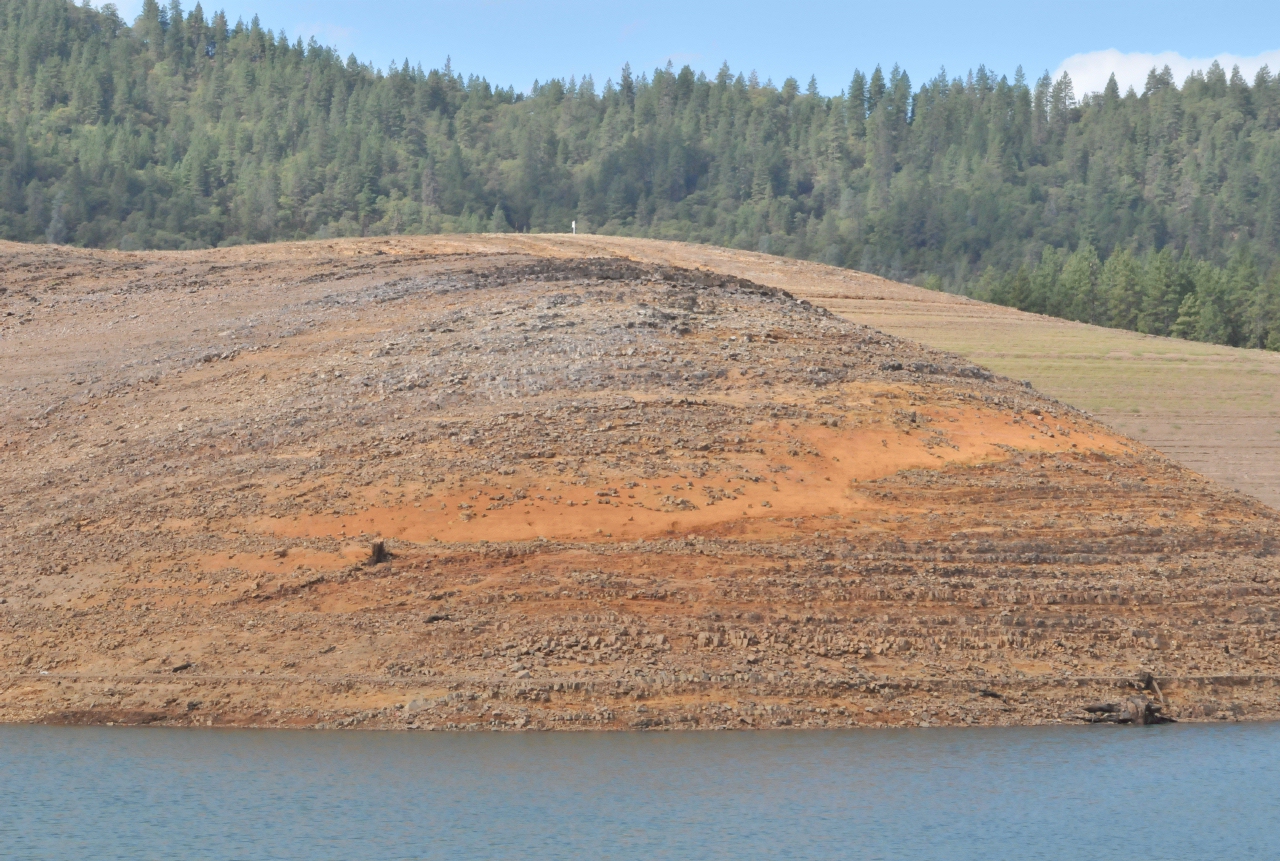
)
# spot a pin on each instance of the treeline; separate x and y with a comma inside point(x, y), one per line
point(1157, 211)
point(1159, 293)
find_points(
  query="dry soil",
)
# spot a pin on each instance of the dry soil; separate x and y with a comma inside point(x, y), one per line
point(551, 482)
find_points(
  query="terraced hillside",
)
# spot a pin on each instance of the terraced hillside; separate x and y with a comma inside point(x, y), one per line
point(519, 482)
point(1214, 409)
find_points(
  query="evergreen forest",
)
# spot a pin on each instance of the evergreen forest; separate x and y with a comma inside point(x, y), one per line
point(1157, 211)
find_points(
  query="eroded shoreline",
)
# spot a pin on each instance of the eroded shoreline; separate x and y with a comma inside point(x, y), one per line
point(608, 495)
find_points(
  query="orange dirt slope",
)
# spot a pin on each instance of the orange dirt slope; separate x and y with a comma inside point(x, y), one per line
point(607, 493)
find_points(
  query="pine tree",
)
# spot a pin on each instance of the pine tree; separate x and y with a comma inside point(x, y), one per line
point(498, 221)
point(1188, 323)
point(1160, 295)
point(1121, 282)
point(1080, 286)
point(875, 90)
point(1043, 294)
point(857, 105)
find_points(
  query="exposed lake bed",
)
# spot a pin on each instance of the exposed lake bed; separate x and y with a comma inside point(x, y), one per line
point(1175, 791)
point(534, 484)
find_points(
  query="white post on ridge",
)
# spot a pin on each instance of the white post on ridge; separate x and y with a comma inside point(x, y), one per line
point(573, 225)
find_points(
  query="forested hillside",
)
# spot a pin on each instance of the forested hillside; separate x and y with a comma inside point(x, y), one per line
point(1157, 211)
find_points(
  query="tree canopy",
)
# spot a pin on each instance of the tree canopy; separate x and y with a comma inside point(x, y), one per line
point(1157, 211)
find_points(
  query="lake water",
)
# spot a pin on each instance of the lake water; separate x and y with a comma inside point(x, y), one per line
point(1170, 792)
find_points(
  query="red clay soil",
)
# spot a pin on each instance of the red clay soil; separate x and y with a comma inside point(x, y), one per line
point(429, 483)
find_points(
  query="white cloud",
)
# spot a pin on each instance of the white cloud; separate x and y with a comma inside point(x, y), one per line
point(1089, 72)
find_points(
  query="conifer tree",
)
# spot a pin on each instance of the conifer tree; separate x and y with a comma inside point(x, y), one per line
point(498, 221)
point(1080, 289)
point(1122, 285)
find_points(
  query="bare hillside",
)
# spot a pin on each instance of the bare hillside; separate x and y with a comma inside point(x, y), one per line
point(1214, 409)
point(508, 482)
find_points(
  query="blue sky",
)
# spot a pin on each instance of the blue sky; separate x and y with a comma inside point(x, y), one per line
point(518, 41)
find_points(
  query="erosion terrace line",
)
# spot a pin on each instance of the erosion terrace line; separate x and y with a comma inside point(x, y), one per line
point(608, 494)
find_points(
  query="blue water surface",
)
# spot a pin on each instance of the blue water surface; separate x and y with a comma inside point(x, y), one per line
point(1169, 792)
